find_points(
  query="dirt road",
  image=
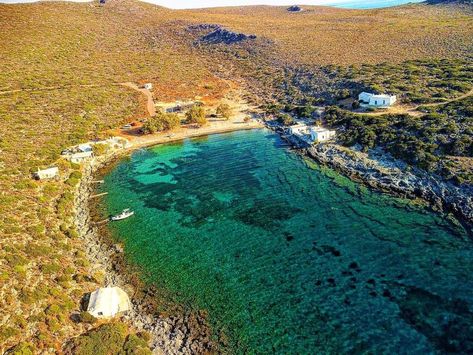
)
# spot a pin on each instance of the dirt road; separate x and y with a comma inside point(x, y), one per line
point(149, 96)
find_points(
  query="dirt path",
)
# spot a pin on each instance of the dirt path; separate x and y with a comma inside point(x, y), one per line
point(465, 95)
point(149, 96)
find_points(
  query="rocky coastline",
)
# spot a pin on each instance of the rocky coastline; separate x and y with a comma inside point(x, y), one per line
point(380, 171)
point(384, 173)
point(178, 331)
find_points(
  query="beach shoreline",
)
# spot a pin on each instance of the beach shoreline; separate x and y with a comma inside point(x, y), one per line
point(182, 331)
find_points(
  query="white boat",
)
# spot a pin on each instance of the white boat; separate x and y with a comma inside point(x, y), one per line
point(124, 214)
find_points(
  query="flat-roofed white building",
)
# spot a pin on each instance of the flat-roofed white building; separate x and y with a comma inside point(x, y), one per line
point(298, 129)
point(49, 173)
point(148, 86)
point(320, 134)
point(367, 99)
point(78, 158)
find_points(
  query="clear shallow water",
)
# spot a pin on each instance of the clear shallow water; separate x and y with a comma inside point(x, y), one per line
point(288, 257)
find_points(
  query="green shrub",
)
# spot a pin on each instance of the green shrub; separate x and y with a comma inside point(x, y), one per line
point(224, 111)
point(196, 115)
point(50, 268)
point(7, 332)
point(52, 309)
point(86, 317)
point(161, 122)
point(72, 181)
point(105, 339)
point(285, 119)
point(136, 345)
point(21, 349)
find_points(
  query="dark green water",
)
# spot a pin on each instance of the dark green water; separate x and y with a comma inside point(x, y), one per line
point(288, 257)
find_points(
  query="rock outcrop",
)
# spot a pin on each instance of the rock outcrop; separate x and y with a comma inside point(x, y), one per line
point(294, 8)
point(219, 34)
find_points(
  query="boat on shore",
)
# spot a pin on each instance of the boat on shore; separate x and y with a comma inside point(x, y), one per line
point(124, 214)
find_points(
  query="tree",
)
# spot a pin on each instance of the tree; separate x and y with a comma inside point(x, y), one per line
point(285, 119)
point(224, 110)
point(196, 114)
point(161, 122)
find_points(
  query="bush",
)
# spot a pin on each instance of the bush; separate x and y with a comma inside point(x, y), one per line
point(196, 115)
point(7, 332)
point(21, 349)
point(224, 111)
point(134, 344)
point(106, 339)
point(74, 178)
point(161, 122)
point(86, 317)
point(285, 119)
point(50, 268)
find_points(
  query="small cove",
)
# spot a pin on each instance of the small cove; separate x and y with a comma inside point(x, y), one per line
point(289, 257)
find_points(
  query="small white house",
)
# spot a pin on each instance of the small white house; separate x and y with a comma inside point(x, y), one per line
point(298, 129)
point(107, 302)
point(372, 100)
point(49, 173)
point(148, 86)
point(320, 134)
point(78, 158)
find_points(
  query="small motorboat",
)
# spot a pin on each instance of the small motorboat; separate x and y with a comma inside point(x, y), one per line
point(124, 214)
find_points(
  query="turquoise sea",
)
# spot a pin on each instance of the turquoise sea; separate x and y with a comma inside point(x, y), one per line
point(288, 257)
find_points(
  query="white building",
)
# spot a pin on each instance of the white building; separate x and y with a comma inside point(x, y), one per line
point(320, 134)
point(78, 158)
point(372, 100)
point(85, 147)
point(49, 173)
point(107, 302)
point(298, 129)
point(148, 86)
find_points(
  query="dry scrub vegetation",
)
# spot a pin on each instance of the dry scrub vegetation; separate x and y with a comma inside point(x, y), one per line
point(61, 65)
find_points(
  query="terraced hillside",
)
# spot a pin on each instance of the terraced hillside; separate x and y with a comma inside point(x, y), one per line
point(61, 69)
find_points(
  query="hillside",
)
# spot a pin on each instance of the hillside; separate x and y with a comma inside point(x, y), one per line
point(62, 66)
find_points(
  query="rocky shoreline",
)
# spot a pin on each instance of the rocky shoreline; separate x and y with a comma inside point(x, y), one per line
point(382, 172)
point(183, 332)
